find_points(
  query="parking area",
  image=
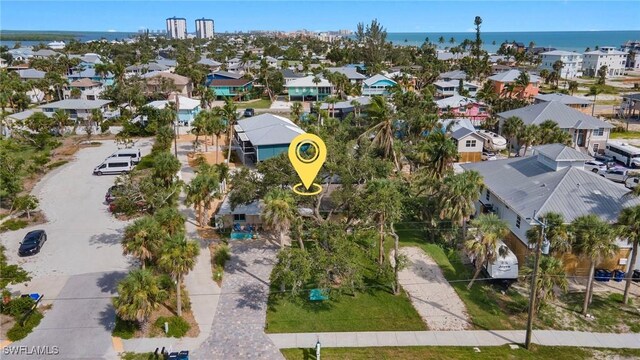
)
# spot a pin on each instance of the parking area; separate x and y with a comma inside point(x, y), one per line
point(79, 265)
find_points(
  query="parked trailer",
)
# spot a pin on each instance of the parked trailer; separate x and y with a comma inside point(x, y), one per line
point(505, 266)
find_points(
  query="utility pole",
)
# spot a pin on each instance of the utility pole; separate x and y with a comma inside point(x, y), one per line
point(534, 278)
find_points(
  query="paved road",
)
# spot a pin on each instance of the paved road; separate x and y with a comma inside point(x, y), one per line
point(80, 264)
point(238, 326)
point(455, 338)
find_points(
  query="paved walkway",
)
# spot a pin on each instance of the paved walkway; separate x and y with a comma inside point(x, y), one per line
point(455, 338)
point(238, 327)
point(432, 296)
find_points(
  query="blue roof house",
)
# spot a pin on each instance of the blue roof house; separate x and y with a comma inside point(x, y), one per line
point(377, 85)
point(264, 136)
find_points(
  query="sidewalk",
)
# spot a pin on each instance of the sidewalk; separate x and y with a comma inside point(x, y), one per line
point(456, 338)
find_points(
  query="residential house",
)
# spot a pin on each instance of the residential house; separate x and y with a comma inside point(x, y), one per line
point(341, 109)
point(44, 53)
point(187, 112)
point(76, 108)
point(290, 75)
point(262, 137)
point(89, 89)
point(235, 64)
point(450, 57)
point(304, 89)
point(552, 179)
point(241, 218)
point(450, 88)
point(377, 85)
point(169, 63)
point(571, 62)
point(630, 103)
point(350, 72)
point(31, 74)
point(405, 80)
point(88, 60)
point(10, 120)
point(453, 75)
point(21, 53)
point(518, 46)
point(160, 81)
point(574, 102)
point(211, 64)
point(467, 140)
point(138, 70)
point(271, 61)
point(91, 74)
point(632, 46)
point(613, 59)
point(464, 107)
point(500, 68)
point(586, 131)
point(225, 88)
point(223, 75)
point(504, 85)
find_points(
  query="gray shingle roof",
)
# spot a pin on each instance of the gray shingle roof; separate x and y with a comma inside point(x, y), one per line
point(350, 72)
point(561, 152)
point(566, 117)
point(564, 98)
point(208, 62)
point(269, 129)
point(75, 104)
point(454, 75)
point(288, 73)
point(461, 133)
point(526, 185)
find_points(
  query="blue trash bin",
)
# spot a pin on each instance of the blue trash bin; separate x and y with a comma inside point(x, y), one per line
point(618, 275)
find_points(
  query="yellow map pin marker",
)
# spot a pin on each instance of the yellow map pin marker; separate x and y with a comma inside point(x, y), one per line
point(307, 153)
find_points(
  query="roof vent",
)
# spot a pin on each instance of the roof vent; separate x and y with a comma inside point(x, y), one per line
point(597, 192)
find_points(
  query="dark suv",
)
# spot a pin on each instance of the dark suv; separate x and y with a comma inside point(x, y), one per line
point(32, 242)
point(249, 112)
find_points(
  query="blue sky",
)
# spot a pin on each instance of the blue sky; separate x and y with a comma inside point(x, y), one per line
point(405, 16)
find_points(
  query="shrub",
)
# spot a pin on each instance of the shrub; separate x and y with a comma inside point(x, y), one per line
point(178, 326)
point(18, 306)
point(18, 332)
point(146, 162)
point(124, 329)
point(221, 255)
point(56, 164)
point(13, 225)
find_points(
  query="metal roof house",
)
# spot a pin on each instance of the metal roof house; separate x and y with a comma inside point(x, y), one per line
point(553, 179)
point(350, 72)
point(377, 85)
point(343, 108)
point(264, 136)
point(76, 108)
point(305, 89)
point(578, 103)
point(467, 140)
point(587, 132)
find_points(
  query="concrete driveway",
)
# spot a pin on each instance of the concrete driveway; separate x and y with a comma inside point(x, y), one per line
point(80, 264)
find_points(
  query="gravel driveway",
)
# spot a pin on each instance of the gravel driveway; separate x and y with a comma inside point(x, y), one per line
point(433, 297)
point(81, 262)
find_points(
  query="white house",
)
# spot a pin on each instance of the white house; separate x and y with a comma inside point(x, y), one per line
point(89, 89)
point(189, 108)
point(76, 108)
point(571, 62)
point(608, 56)
point(449, 88)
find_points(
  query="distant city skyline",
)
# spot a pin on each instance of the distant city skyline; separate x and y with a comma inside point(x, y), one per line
point(416, 16)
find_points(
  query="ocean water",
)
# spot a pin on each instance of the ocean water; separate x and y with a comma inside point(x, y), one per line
point(564, 40)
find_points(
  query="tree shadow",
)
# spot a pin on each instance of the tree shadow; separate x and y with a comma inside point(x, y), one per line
point(113, 238)
point(252, 296)
point(108, 317)
point(108, 282)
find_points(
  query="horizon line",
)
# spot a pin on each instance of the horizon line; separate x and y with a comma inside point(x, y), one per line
point(267, 30)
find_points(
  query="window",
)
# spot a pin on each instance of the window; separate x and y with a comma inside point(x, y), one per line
point(596, 147)
point(518, 221)
point(470, 143)
point(488, 197)
point(239, 217)
point(598, 132)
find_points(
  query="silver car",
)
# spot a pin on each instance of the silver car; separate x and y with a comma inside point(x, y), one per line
point(595, 166)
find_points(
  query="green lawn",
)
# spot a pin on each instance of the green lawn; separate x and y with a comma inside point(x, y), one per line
point(449, 352)
point(487, 307)
point(255, 104)
point(610, 315)
point(625, 135)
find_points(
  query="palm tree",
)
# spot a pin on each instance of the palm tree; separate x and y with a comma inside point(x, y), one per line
point(629, 218)
point(332, 105)
point(296, 111)
point(170, 220)
point(573, 86)
point(165, 167)
point(316, 80)
point(202, 190)
point(594, 91)
point(594, 240)
point(557, 69)
point(214, 126)
point(529, 136)
point(279, 211)
point(521, 82)
point(198, 128)
point(381, 114)
point(207, 96)
point(483, 248)
point(178, 258)
point(551, 275)
point(439, 152)
point(458, 196)
point(142, 239)
point(60, 117)
point(229, 113)
point(139, 295)
point(356, 107)
point(544, 74)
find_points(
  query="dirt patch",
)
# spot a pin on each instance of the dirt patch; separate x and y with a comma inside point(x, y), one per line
point(6, 323)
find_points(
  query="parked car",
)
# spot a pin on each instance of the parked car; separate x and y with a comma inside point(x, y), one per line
point(489, 155)
point(134, 154)
point(249, 112)
point(615, 174)
point(32, 242)
point(110, 196)
point(114, 165)
point(595, 166)
point(607, 160)
point(632, 182)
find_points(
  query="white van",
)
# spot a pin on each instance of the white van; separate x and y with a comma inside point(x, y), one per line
point(114, 165)
point(134, 154)
point(504, 267)
point(632, 182)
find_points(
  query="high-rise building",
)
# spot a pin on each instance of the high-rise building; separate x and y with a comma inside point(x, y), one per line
point(204, 28)
point(177, 28)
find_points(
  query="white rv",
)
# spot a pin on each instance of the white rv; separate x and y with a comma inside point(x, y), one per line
point(492, 141)
point(505, 266)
